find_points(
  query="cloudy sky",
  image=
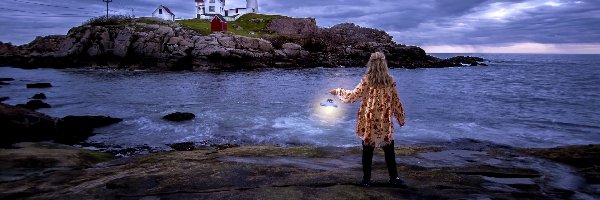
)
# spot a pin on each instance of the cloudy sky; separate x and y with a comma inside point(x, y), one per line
point(492, 26)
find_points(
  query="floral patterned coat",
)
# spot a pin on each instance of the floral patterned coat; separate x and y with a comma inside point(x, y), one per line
point(375, 125)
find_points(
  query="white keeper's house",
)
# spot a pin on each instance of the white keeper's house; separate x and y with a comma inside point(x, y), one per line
point(207, 9)
point(164, 13)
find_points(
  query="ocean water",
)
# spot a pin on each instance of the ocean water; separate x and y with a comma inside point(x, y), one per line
point(520, 100)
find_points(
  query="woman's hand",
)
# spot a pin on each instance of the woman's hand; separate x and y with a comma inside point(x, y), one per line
point(401, 120)
point(333, 92)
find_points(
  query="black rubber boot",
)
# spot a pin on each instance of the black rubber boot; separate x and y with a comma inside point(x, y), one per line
point(367, 161)
point(390, 161)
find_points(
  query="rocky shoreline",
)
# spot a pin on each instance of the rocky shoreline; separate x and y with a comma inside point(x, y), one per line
point(160, 45)
point(455, 170)
point(33, 168)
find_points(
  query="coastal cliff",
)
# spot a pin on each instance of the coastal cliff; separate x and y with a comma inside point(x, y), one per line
point(278, 42)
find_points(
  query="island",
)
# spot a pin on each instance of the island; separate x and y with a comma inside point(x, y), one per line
point(253, 41)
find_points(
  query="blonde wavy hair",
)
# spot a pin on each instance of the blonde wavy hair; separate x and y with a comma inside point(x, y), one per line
point(377, 71)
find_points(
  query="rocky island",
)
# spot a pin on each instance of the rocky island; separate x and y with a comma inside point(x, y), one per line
point(255, 41)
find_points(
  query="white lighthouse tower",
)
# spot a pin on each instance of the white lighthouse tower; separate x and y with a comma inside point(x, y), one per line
point(251, 6)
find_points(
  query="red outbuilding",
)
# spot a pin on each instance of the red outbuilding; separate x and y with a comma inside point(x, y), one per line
point(218, 24)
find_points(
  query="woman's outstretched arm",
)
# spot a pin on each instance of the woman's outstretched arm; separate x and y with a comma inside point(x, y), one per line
point(397, 108)
point(350, 96)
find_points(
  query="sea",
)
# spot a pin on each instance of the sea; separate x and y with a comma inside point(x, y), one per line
point(519, 100)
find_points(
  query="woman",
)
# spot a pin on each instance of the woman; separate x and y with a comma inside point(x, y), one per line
point(379, 101)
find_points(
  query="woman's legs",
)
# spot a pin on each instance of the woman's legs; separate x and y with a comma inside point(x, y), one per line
point(367, 161)
point(390, 160)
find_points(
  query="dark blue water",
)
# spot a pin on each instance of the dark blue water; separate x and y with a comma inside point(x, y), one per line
point(519, 100)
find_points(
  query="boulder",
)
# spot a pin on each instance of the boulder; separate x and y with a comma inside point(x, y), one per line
point(265, 46)
point(39, 96)
point(3, 83)
point(291, 49)
point(179, 117)
point(91, 121)
point(73, 129)
point(39, 85)
point(122, 43)
point(469, 60)
point(35, 104)
point(184, 146)
point(24, 125)
point(174, 40)
point(227, 42)
point(7, 79)
point(4, 99)
point(21, 124)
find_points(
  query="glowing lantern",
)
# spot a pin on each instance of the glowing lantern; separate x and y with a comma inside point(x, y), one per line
point(329, 103)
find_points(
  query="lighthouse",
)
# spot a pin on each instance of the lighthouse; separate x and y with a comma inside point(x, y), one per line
point(207, 9)
point(251, 6)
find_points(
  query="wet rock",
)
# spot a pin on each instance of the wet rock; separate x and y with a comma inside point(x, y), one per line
point(468, 60)
point(179, 117)
point(255, 172)
point(4, 99)
point(26, 160)
point(134, 151)
point(585, 158)
point(3, 83)
point(21, 124)
point(39, 85)
point(184, 146)
point(73, 129)
point(7, 79)
point(91, 121)
point(39, 96)
point(35, 104)
point(24, 125)
point(225, 146)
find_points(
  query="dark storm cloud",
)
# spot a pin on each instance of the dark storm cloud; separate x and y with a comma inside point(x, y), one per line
point(417, 22)
point(23, 20)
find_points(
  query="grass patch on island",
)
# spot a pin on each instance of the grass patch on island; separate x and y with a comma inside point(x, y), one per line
point(252, 25)
point(199, 25)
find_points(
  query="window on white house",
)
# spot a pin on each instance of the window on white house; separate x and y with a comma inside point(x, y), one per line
point(211, 1)
point(211, 9)
point(160, 11)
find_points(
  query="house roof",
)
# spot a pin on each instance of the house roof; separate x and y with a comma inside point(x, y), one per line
point(167, 9)
point(218, 16)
